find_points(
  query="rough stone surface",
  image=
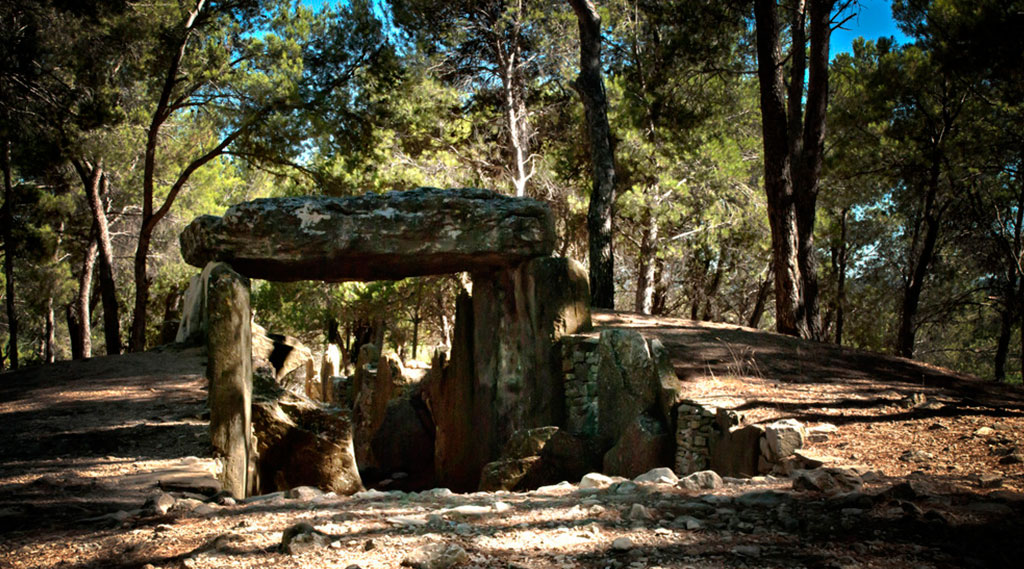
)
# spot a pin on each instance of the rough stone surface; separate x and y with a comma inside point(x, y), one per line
point(229, 369)
point(736, 451)
point(404, 441)
point(627, 385)
point(828, 480)
point(703, 480)
point(783, 438)
point(528, 442)
point(373, 237)
point(645, 444)
point(303, 537)
point(505, 371)
point(436, 556)
point(507, 473)
point(658, 475)
point(670, 389)
point(595, 480)
point(378, 383)
point(302, 443)
point(292, 362)
point(193, 325)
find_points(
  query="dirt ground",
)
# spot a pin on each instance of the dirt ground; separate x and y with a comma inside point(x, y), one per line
point(86, 444)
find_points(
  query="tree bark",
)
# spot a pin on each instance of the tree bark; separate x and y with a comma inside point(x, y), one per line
point(646, 262)
point(74, 335)
point(83, 305)
point(95, 180)
point(8, 217)
point(760, 300)
point(793, 138)
point(840, 261)
point(590, 86)
point(778, 183)
point(919, 271)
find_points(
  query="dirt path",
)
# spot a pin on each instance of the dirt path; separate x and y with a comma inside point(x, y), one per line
point(85, 444)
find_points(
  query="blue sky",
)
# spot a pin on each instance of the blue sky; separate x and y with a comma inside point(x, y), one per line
point(873, 19)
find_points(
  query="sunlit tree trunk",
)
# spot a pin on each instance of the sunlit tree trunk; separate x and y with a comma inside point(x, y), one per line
point(8, 218)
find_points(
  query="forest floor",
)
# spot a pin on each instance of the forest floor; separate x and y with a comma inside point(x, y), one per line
point(85, 445)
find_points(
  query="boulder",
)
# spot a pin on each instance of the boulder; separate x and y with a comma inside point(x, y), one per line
point(302, 443)
point(404, 440)
point(373, 237)
point(783, 438)
point(229, 370)
point(377, 386)
point(292, 362)
point(520, 464)
point(646, 444)
point(828, 480)
point(627, 384)
point(528, 442)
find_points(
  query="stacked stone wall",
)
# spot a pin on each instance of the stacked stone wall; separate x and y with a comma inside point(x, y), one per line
point(579, 366)
point(695, 430)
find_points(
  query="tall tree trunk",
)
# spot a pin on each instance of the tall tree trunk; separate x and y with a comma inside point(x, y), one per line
point(793, 138)
point(778, 183)
point(8, 217)
point(646, 262)
point(590, 86)
point(919, 271)
point(49, 333)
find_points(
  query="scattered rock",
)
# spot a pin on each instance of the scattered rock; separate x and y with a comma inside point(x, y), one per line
point(1015, 458)
point(595, 480)
point(622, 544)
point(984, 432)
point(917, 455)
point(660, 475)
point(640, 513)
point(160, 503)
point(747, 550)
point(688, 522)
point(305, 493)
point(828, 481)
point(703, 480)
point(303, 537)
point(990, 481)
point(783, 438)
point(436, 556)
point(821, 433)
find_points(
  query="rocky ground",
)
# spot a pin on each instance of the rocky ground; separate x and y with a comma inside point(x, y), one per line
point(105, 463)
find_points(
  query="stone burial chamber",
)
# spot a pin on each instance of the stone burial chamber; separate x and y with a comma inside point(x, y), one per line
point(504, 373)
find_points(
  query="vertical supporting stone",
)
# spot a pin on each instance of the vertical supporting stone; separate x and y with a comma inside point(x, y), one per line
point(229, 370)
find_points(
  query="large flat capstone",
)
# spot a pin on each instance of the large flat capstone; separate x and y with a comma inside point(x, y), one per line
point(373, 237)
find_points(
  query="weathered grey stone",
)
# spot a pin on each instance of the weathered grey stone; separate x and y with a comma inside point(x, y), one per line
point(506, 473)
point(404, 440)
point(595, 480)
point(627, 383)
point(659, 475)
point(303, 443)
point(378, 383)
point(783, 438)
point(670, 389)
point(436, 556)
point(828, 480)
point(291, 361)
point(703, 480)
point(528, 442)
point(192, 329)
point(229, 369)
point(373, 237)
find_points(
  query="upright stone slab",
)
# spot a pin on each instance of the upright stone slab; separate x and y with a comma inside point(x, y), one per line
point(505, 371)
point(229, 369)
point(192, 329)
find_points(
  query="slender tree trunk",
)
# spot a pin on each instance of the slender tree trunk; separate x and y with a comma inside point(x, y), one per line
point(74, 328)
point(760, 300)
point(8, 217)
point(840, 261)
point(1003, 344)
point(83, 303)
point(646, 262)
point(95, 180)
point(590, 86)
point(712, 291)
point(49, 333)
point(660, 287)
point(919, 271)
